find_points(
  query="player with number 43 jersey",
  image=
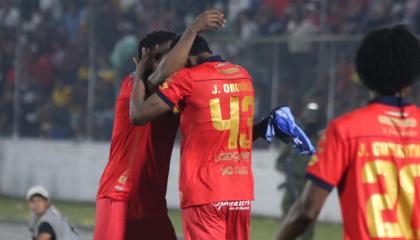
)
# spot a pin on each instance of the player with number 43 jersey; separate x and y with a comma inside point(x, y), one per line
point(371, 155)
point(216, 125)
point(217, 100)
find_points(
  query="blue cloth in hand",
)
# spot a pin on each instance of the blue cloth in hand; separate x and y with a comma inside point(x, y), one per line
point(282, 124)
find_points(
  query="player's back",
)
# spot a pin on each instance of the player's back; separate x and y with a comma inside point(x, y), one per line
point(375, 163)
point(216, 125)
point(138, 166)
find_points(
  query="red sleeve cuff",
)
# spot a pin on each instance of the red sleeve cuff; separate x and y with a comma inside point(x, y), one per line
point(319, 182)
point(165, 99)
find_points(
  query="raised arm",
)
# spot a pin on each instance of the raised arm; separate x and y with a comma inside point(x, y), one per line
point(175, 59)
point(144, 110)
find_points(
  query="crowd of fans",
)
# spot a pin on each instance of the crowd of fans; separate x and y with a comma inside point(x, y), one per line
point(54, 66)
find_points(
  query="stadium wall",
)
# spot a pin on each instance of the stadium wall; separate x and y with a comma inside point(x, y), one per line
point(71, 171)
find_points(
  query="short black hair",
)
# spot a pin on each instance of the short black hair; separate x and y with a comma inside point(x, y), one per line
point(155, 37)
point(200, 45)
point(388, 59)
point(38, 195)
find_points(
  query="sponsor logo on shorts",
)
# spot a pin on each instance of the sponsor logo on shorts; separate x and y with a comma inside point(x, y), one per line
point(119, 188)
point(233, 205)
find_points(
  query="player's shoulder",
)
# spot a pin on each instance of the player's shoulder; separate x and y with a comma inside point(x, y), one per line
point(126, 85)
point(194, 72)
point(128, 79)
point(347, 122)
point(210, 70)
point(235, 68)
point(242, 69)
point(182, 73)
point(414, 110)
point(354, 115)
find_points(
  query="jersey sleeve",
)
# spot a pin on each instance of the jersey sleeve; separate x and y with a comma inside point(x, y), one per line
point(176, 88)
point(126, 86)
point(328, 165)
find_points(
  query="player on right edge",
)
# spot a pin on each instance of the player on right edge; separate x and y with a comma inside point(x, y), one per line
point(371, 155)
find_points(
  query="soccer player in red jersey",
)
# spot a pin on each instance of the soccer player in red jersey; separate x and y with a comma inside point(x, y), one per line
point(216, 100)
point(131, 195)
point(131, 200)
point(371, 155)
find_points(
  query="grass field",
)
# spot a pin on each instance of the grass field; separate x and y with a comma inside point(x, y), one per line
point(83, 214)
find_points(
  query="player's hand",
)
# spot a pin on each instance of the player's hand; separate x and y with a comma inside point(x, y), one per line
point(145, 61)
point(210, 19)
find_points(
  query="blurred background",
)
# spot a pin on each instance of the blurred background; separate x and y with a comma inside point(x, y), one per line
point(62, 62)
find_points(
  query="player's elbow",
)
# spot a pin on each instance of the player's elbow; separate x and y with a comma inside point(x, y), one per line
point(308, 210)
point(300, 216)
point(138, 122)
point(298, 219)
point(152, 82)
point(157, 78)
point(137, 119)
point(307, 217)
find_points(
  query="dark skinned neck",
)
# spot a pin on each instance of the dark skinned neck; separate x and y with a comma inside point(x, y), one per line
point(201, 57)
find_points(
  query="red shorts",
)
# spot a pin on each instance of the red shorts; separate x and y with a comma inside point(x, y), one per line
point(222, 220)
point(113, 223)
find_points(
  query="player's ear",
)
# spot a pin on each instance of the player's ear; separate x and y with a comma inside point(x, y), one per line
point(188, 63)
point(155, 49)
point(192, 61)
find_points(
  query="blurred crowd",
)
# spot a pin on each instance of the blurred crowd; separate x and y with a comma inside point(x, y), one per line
point(54, 59)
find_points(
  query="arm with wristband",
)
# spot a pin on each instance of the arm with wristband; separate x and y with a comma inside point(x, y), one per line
point(142, 111)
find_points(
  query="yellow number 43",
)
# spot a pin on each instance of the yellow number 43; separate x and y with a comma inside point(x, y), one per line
point(232, 124)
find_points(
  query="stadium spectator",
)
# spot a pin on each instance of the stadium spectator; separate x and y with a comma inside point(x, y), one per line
point(123, 50)
point(235, 7)
point(9, 14)
point(46, 222)
point(56, 38)
point(72, 19)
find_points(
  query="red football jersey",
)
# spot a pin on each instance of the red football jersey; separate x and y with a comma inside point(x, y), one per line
point(216, 102)
point(372, 155)
point(138, 166)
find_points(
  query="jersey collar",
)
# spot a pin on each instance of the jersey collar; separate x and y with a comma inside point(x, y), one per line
point(215, 58)
point(391, 101)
